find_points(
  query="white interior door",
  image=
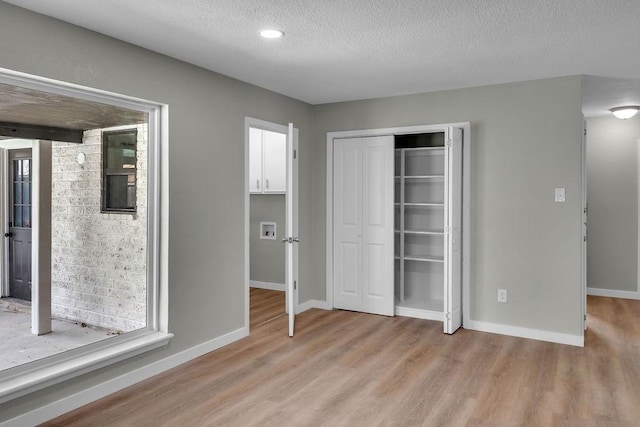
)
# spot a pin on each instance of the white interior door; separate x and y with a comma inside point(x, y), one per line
point(453, 231)
point(363, 224)
point(291, 240)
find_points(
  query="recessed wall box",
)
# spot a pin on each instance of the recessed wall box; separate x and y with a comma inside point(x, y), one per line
point(267, 230)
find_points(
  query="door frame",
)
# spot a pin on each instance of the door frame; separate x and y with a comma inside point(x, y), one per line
point(466, 200)
point(274, 127)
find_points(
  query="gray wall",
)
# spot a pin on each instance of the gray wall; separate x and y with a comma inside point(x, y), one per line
point(612, 194)
point(526, 140)
point(206, 169)
point(267, 256)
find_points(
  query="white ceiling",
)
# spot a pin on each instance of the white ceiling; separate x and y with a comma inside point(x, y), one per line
point(338, 50)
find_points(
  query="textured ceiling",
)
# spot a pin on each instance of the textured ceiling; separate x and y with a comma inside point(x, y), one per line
point(354, 49)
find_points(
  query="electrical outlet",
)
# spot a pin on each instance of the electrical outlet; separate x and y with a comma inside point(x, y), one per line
point(502, 295)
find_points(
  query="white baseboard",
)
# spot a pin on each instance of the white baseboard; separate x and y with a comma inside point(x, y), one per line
point(599, 292)
point(534, 334)
point(267, 285)
point(314, 303)
point(67, 404)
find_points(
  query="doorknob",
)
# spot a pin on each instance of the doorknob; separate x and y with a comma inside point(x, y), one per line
point(291, 240)
point(8, 234)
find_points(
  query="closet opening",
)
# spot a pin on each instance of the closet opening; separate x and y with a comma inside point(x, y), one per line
point(397, 207)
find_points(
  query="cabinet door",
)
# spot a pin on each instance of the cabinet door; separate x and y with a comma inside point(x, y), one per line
point(453, 232)
point(274, 146)
point(255, 160)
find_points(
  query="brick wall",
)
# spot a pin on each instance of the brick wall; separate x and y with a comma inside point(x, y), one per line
point(98, 260)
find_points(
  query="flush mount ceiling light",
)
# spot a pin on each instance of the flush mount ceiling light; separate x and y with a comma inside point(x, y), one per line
point(625, 112)
point(271, 34)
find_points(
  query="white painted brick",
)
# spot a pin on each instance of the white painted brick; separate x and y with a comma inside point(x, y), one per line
point(99, 260)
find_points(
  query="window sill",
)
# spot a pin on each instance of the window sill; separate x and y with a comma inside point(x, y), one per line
point(51, 372)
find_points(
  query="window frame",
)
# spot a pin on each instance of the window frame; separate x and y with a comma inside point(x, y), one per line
point(30, 377)
point(106, 172)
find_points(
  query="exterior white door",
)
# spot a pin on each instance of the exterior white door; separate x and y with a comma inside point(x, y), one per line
point(453, 231)
point(291, 240)
point(363, 259)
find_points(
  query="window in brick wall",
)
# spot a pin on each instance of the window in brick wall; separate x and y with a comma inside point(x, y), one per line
point(119, 171)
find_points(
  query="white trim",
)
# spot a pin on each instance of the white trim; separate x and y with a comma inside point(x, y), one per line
point(638, 196)
point(29, 381)
point(584, 228)
point(313, 303)
point(613, 293)
point(466, 201)
point(267, 285)
point(420, 314)
point(69, 403)
point(26, 378)
point(533, 334)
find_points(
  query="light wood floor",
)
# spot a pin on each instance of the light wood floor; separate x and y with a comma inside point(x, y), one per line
point(265, 306)
point(353, 369)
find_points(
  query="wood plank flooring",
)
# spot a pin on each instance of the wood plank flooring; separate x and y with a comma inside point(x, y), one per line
point(352, 369)
point(264, 306)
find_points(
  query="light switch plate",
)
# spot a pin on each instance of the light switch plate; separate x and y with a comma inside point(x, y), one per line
point(560, 198)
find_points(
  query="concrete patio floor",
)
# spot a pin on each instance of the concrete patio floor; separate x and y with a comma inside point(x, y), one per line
point(18, 345)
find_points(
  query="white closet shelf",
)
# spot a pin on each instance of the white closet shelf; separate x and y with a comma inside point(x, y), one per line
point(422, 177)
point(422, 258)
point(423, 205)
point(421, 303)
point(439, 148)
point(421, 308)
point(423, 232)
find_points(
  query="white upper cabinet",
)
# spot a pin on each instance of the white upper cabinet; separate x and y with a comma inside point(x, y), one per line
point(267, 161)
point(255, 160)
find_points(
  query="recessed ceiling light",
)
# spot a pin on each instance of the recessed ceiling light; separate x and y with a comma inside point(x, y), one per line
point(271, 34)
point(625, 112)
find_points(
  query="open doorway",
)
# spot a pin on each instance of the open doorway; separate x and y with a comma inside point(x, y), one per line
point(270, 220)
point(611, 208)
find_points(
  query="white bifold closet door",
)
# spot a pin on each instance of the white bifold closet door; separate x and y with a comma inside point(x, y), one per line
point(363, 260)
point(453, 231)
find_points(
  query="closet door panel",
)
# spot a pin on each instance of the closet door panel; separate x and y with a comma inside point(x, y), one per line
point(347, 227)
point(453, 217)
point(378, 222)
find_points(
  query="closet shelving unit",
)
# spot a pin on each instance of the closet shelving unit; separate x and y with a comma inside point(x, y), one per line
point(420, 226)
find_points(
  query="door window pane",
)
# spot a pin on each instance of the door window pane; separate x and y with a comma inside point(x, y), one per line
point(17, 216)
point(17, 193)
point(26, 216)
point(26, 193)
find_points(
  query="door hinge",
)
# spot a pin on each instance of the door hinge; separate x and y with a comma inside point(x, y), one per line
point(295, 153)
point(585, 317)
point(585, 131)
point(295, 285)
point(448, 316)
point(447, 229)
